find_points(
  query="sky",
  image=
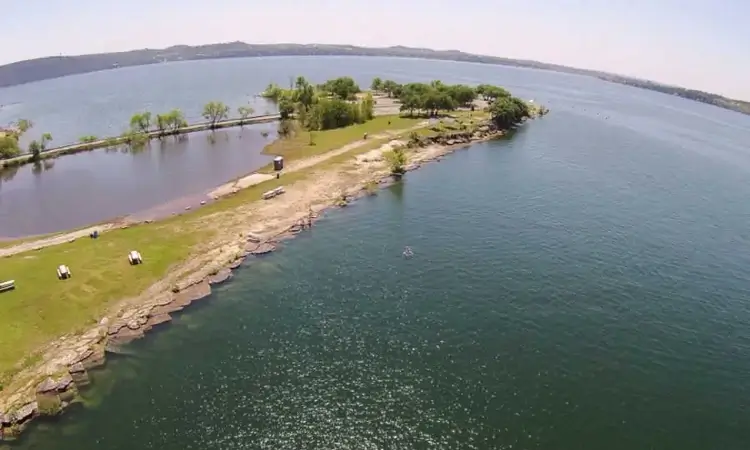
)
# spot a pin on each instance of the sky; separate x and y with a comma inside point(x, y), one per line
point(697, 44)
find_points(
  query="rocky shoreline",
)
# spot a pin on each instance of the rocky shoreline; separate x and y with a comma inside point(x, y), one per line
point(69, 359)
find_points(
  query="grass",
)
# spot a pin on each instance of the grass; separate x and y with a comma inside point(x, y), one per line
point(298, 146)
point(42, 308)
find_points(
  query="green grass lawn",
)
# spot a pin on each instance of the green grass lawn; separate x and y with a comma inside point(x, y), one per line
point(298, 146)
point(42, 307)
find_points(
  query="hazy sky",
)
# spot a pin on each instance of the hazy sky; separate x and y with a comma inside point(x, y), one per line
point(692, 43)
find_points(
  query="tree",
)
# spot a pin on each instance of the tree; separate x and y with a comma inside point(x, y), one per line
point(134, 139)
point(507, 112)
point(343, 88)
point(244, 112)
point(175, 120)
point(367, 107)
point(392, 88)
point(8, 147)
point(23, 125)
point(87, 139)
point(214, 112)
point(463, 95)
point(37, 147)
point(286, 108)
point(377, 84)
point(396, 160)
point(141, 122)
point(286, 128)
point(162, 123)
point(490, 93)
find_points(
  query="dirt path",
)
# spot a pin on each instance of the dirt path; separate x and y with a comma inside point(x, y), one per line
point(54, 240)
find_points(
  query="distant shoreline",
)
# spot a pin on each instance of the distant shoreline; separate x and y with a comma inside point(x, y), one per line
point(60, 66)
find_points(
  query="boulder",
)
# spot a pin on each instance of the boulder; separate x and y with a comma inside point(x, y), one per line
point(263, 249)
point(55, 386)
point(25, 412)
point(46, 386)
point(220, 277)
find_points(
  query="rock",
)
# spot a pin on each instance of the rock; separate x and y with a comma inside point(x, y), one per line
point(237, 263)
point(220, 277)
point(262, 249)
point(192, 293)
point(25, 412)
point(104, 321)
point(5, 420)
point(76, 368)
point(64, 383)
point(95, 359)
point(46, 386)
point(122, 337)
point(158, 319)
point(251, 237)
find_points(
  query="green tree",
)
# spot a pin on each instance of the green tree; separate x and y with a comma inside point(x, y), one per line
point(214, 112)
point(461, 94)
point(141, 122)
point(23, 125)
point(87, 139)
point(35, 149)
point(134, 139)
point(377, 84)
point(286, 108)
point(397, 160)
point(162, 123)
point(367, 107)
point(245, 112)
point(286, 128)
point(343, 88)
point(8, 147)
point(273, 92)
point(392, 88)
point(490, 93)
point(507, 112)
point(175, 120)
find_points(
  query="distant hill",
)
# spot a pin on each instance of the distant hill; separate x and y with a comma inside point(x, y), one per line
point(60, 66)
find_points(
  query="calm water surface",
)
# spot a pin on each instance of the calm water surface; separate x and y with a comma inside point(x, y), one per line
point(583, 285)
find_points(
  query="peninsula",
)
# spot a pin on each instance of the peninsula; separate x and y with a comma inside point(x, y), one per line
point(60, 66)
point(337, 142)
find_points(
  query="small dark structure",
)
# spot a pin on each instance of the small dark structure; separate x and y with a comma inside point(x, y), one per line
point(278, 163)
point(94, 234)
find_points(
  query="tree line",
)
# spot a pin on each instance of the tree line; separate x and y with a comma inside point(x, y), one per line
point(430, 99)
point(332, 104)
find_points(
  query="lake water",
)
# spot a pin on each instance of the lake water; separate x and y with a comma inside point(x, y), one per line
point(582, 285)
